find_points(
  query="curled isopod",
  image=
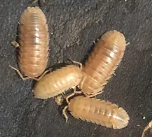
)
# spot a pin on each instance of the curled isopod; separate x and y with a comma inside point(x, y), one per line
point(57, 82)
point(102, 63)
point(97, 111)
point(33, 43)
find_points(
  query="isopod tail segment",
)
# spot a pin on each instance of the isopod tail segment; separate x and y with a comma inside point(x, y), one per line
point(94, 95)
point(26, 78)
point(81, 85)
point(147, 128)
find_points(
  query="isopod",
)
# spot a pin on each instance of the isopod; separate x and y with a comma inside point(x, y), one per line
point(97, 111)
point(57, 82)
point(148, 127)
point(102, 63)
point(33, 43)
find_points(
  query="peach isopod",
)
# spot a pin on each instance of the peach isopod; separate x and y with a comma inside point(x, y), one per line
point(33, 43)
point(57, 82)
point(103, 61)
point(98, 111)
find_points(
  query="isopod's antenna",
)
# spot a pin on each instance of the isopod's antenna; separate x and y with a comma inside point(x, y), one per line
point(69, 96)
point(19, 73)
point(66, 107)
point(68, 102)
point(83, 80)
point(64, 113)
point(43, 74)
point(26, 78)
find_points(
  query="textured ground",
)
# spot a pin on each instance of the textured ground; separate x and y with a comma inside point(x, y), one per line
point(74, 25)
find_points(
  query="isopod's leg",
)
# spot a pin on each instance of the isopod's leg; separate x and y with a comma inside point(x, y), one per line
point(114, 74)
point(80, 64)
point(127, 43)
point(15, 44)
point(69, 96)
point(92, 95)
point(77, 92)
point(76, 62)
point(37, 79)
point(19, 73)
point(64, 113)
point(146, 128)
point(82, 82)
point(94, 42)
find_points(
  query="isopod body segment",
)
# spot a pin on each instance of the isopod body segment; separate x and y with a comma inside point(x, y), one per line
point(102, 62)
point(57, 82)
point(33, 42)
point(99, 112)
